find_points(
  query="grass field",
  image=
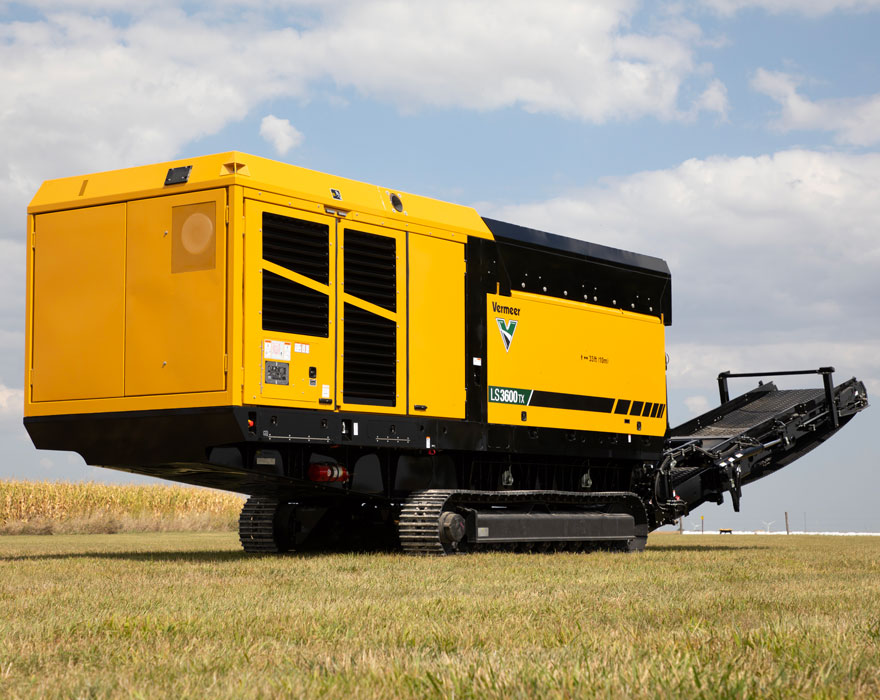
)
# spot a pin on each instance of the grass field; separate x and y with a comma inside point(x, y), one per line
point(190, 616)
point(45, 508)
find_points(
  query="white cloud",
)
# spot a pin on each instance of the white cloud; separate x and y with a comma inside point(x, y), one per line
point(774, 259)
point(575, 59)
point(811, 8)
point(697, 404)
point(11, 401)
point(695, 365)
point(84, 92)
point(713, 99)
point(280, 133)
point(854, 121)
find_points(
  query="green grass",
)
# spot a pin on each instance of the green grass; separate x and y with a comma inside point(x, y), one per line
point(190, 616)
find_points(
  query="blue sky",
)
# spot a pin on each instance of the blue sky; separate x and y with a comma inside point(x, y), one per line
point(737, 139)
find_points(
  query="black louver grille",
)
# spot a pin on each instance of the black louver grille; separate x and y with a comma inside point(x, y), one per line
point(370, 264)
point(300, 246)
point(289, 307)
point(370, 358)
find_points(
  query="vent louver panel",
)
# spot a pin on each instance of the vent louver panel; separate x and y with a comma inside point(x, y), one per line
point(289, 307)
point(370, 358)
point(298, 245)
point(370, 264)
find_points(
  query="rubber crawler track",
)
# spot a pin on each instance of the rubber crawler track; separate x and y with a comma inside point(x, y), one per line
point(256, 525)
point(419, 528)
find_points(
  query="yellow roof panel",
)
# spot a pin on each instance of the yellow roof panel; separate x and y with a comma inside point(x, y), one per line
point(235, 168)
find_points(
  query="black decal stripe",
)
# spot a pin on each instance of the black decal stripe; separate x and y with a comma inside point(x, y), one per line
point(572, 402)
point(597, 404)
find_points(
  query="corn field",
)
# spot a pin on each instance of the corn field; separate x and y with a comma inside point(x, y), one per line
point(41, 507)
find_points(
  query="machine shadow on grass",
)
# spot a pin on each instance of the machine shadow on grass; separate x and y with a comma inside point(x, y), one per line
point(703, 548)
point(203, 556)
point(191, 556)
point(194, 556)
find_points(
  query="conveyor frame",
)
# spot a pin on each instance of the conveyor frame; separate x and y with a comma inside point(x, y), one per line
point(747, 438)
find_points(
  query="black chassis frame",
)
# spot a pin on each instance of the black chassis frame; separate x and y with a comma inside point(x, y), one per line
point(219, 447)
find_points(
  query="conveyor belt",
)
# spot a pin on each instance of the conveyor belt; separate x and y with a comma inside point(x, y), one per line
point(757, 412)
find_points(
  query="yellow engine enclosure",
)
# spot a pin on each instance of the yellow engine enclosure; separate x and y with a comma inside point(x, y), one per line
point(143, 296)
point(146, 296)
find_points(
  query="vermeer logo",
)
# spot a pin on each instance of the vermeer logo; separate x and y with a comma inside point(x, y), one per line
point(507, 328)
point(501, 309)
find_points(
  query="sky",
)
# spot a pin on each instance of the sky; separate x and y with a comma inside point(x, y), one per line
point(739, 140)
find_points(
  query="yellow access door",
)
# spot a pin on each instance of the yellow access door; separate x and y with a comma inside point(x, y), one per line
point(371, 306)
point(325, 310)
point(175, 302)
point(78, 304)
point(436, 327)
point(290, 303)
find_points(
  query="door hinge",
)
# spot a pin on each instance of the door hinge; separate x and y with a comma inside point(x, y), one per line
point(225, 364)
point(227, 213)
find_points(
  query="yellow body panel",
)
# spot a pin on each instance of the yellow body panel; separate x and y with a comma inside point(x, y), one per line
point(571, 350)
point(436, 327)
point(79, 304)
point(175, 317)
point(130, 403)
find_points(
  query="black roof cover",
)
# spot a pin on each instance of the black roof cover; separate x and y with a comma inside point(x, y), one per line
point(543, 263)
point(595, 251)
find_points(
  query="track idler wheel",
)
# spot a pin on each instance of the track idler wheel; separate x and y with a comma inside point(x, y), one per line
point(452, 528)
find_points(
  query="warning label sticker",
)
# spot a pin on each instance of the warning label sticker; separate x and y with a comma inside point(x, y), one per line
point(276, 350)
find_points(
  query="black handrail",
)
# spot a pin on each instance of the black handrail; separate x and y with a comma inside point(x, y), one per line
point(826, 373)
